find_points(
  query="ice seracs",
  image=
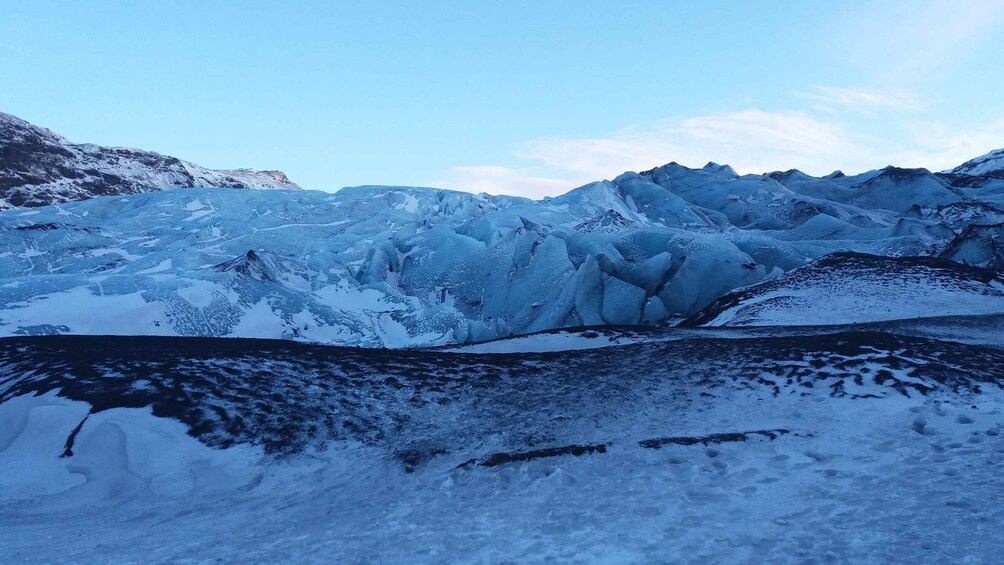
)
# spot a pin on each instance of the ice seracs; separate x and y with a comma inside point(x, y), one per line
point(979, 245)
point(745, 435)
point(262, 266)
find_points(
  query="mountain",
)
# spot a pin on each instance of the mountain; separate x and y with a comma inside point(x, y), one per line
point(39, 167)
point(854, 288)
point(983, 177)
point(990, 164)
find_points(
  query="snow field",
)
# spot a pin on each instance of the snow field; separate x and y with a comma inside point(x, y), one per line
point(893, 479)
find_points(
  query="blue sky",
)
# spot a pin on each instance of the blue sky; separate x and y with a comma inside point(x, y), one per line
point(515, 97)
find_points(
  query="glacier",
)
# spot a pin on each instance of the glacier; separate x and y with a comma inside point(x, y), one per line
point(380, 266)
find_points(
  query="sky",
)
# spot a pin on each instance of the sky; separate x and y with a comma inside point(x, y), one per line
point(518, 97)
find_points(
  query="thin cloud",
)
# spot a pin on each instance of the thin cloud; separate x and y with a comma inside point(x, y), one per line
point(493, 179)
point(751, 141)
point(833, 98)
point(937, 146)
point(890, 114)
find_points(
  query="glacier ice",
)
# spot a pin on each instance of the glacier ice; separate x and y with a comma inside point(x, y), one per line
point(401, 266)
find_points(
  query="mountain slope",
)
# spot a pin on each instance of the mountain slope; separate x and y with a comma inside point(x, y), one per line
point(39, 167)
point(990, 164)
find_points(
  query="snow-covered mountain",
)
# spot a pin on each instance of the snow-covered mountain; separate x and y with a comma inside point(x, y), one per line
point(990, 164)
point(982, 176)
point(39, 167)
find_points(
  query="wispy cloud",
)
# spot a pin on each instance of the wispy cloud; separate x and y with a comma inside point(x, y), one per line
point(751, 141)
point(495, 179)
point(833, 98)
point(938, 146)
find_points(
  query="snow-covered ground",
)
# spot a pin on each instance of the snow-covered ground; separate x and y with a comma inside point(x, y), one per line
point(850, 447)
point(563, 340)
point(896, 480)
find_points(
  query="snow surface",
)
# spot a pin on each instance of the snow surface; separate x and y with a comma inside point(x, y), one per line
point(561, 340)
point(886, 471)
point(118, 452)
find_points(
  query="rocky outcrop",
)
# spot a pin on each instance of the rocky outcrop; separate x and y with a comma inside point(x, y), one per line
point(39, 167)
